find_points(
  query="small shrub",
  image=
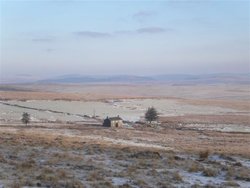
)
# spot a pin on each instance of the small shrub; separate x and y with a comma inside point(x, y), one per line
point(195, 186)
point(131, 169)
point(209, 186)
point(178, 158)
point(62, 173)
point(21, 183)
point(48, 178)
point(231, 184)
point(238, 164)
point(27, 164)
point(194, 167)
point(103, 184)
point(177, 177)
point(48, 175)
point(204, 154)
point(209, 172)
point(94, 176)
point(171, 161)
point(125, 186)
point(229, 158)
point(152, 172)
point(243, 174)
point(164, 184)
point(15, 184)
point(146, 155)
point(47, 170)
point(141, 183)
point(74, 184)
point(230, 172)
point(143, 164)
point(2, 159)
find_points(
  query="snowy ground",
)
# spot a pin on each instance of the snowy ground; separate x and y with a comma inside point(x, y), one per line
point(39, 157)
point(129, 109)
point(202, 141)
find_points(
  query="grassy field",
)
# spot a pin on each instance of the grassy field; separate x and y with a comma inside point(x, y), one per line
point(199, 141)
point(87, 156)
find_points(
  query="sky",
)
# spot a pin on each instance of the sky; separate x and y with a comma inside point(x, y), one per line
point(44, 39)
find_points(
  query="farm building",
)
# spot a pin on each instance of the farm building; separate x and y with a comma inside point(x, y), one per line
point(113, 122)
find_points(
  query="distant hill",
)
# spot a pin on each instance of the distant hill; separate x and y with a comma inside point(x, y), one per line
point(172, 79)
point(97, 79)
point(205, 79)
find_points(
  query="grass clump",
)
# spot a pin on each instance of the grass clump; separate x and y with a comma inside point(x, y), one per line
point(2, 159)
point(243, 174)
point(209, 172)
point(141, 183)
point(27, 164)
point(195, 167)
point(102, 184)
point(62, 173)
point(231, 184)
point(204, 154)
point(95, 176)
point(74, 184)
point(21, 183)
point(177, 177)
point(230, 172)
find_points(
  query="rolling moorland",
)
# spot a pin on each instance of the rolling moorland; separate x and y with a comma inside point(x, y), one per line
point(201, 138)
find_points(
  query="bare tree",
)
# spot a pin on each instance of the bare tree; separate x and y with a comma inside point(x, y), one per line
point(151, 114)
point(26, 118)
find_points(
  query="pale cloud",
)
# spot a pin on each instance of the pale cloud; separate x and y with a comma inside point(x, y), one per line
point(43, 39)
point(144, 30)
point(92, 34)
point(142, 16)
point(49, 50)
point(124, 32)
point(152, 30)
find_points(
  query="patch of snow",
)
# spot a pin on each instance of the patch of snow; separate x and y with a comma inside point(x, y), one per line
point(1, 185)
point(118, 181)
point(219, 127)
point(198, 178)
point(243, 161)
point(125, 142)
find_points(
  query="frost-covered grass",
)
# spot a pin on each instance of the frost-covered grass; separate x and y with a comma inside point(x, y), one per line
point(52, 161)
point(128, 109)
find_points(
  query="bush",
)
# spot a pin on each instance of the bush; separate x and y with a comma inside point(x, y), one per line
point(177, 177)
point(204, 154)
point(210, 172)
point(194, 167)
point(25, 118)
point(151, 114)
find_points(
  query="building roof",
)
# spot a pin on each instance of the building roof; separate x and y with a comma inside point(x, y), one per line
point(114, 118)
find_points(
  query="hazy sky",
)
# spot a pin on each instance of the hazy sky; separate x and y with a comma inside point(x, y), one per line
point(45, 38)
